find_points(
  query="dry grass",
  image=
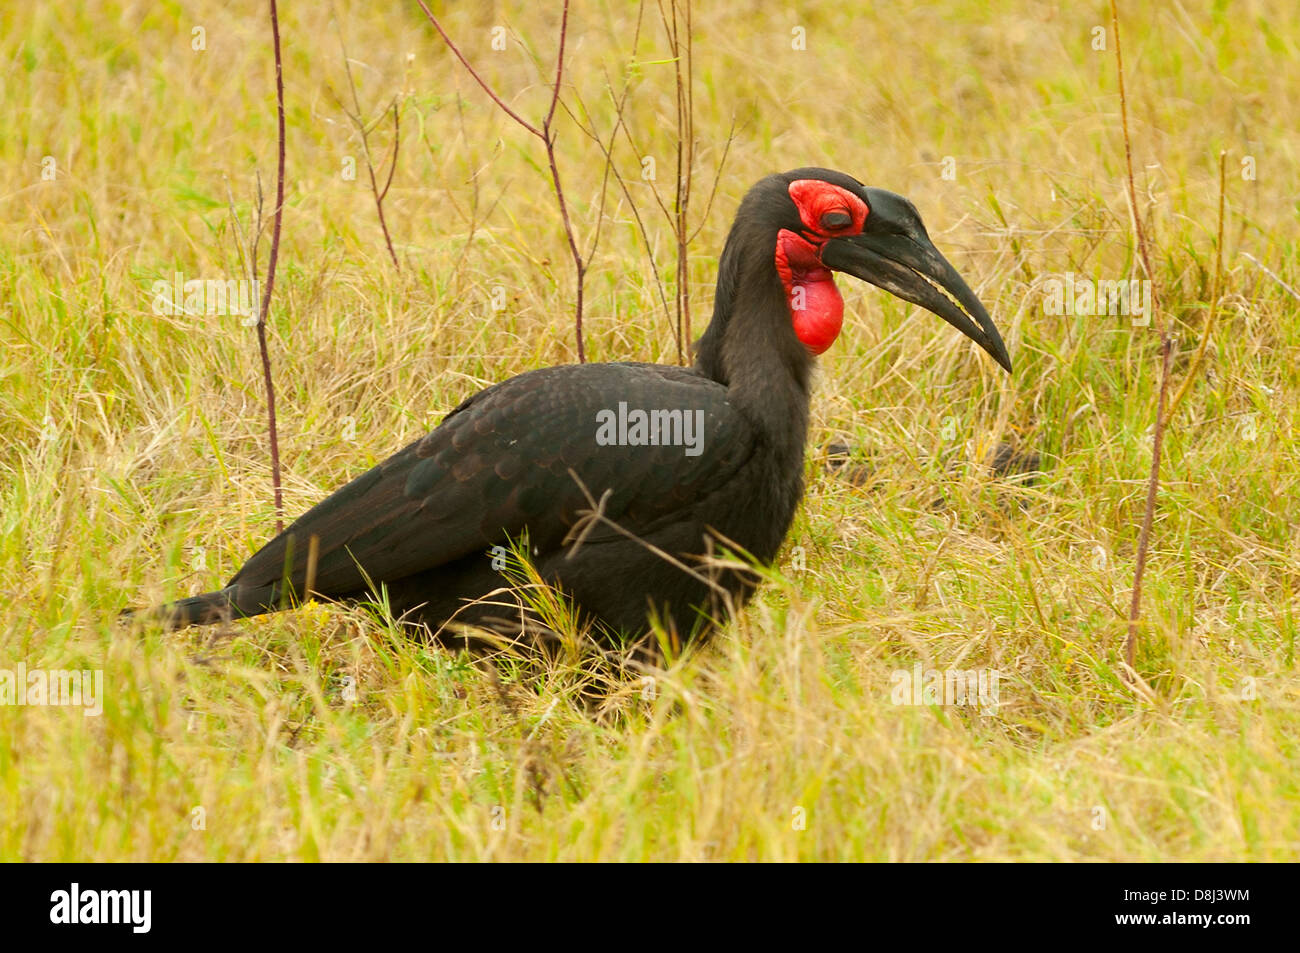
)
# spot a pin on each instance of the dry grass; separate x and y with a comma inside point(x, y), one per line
point(134, 457)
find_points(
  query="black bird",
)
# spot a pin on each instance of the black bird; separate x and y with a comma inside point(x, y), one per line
point(679, 462)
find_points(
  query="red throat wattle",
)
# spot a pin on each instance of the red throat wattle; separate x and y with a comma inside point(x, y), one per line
point(816, 308)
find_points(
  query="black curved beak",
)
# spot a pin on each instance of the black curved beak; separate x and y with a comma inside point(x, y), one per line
point(895, 253)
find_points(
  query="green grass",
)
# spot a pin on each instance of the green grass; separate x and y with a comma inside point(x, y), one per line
point(134, 462)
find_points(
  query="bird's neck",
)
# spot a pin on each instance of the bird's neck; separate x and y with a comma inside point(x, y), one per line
point(751, 348)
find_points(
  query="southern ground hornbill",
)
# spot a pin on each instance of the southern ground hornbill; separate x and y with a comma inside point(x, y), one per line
point(679, 463)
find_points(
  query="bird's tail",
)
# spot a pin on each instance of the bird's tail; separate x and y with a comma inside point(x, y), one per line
point(208, 608)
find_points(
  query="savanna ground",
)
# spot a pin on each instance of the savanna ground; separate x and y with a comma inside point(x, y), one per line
point(136, 462)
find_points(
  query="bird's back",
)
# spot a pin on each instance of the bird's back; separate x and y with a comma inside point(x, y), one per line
point(657, 451)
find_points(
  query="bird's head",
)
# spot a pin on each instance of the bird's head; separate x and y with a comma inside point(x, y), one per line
point(826, 221)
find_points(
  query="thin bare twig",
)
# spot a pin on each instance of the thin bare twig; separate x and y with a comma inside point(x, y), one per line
point(270, 278)
point(1166, 357)
point(381, 195)
point(546, 133)
point(258, 222)
point(243, 243)
point(1215, 291)
point(717, 177)
point(612, 169)
point(678, 23)
point(474, 194)
point(588, 126)
point(682, 51)
point(364, 130)
point(392, 167)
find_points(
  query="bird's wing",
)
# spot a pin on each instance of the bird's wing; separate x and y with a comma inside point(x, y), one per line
point(500, 463)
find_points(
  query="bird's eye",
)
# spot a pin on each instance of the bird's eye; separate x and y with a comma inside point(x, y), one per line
point(836, 219)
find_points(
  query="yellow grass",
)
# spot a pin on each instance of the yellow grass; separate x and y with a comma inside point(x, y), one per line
point(134, 460)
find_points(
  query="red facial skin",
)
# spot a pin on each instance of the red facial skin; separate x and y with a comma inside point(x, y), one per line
point(816, 308)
